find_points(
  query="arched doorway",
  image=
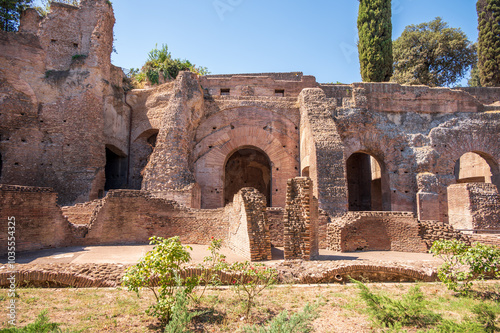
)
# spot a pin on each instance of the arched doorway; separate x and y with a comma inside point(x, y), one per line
point(367, 184)
point(247, 167)
point(116, 169)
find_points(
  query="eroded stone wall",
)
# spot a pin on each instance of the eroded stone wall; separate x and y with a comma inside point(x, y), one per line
point(248, 233)
point(63, 100)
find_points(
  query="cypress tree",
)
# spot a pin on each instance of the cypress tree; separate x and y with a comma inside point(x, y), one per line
point(488, 12)
point(375, 40)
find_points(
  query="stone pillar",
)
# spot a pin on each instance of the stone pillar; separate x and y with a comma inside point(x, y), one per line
point(427, 197)
point(300, 220)
point(168, 168)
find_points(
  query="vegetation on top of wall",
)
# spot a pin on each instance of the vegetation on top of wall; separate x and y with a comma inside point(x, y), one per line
point(10, 12)
point(161, 67)
point(432, 54)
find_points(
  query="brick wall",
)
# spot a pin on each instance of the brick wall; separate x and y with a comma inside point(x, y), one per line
point(380, 231)
point(248, 233)
point(129, 216)
point(431, 231)
point(474, 206)
point(39, 222)
point(300, 220)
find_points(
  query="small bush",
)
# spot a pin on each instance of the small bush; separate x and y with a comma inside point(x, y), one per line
point(41, 325)
point(250, 280)
point(299, 322)
point(464, 264)
point(159, 272)
point(410, 310)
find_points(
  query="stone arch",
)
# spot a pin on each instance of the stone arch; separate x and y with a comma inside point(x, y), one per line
point(115, 169)
point(209, 166)
point(477, 166)
point(226, 131)
point(367, 183)
point(247, 166)
point(141, 149)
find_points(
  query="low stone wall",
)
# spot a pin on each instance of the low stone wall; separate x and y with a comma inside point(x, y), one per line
point(36, 219)
point(474, 206)
point(381, 231)
point(248, 233)
point(431, 231)
point(486, 239)
point(300, 220)
point(130, 216)
point(189, 197)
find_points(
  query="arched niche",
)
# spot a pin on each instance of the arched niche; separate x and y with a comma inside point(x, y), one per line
point(247, 167)
point(476, 167)
point(367, 181)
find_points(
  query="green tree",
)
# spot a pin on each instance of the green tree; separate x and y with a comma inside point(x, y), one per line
point(161, 64)
point(375, 40)
point(474, 80)
point(488, 12)
point(433, 54)
point(10, 12)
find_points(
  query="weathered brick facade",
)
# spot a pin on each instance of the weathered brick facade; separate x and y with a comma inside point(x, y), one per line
point(67, 121)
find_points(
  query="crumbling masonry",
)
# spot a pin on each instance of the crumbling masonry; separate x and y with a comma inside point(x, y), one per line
point(84, 160)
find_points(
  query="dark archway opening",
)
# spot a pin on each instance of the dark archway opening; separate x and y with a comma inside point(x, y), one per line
point(247, 167)
point(365, 184)
point(116, 169)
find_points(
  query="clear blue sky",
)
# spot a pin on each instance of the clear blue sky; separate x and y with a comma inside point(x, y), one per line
point(316, 37)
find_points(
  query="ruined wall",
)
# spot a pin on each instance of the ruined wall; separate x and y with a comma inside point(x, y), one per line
point(431, 231)
point(129, 216)
point(300, 220)
point(39, 222)
point(248, 233)
point(376, 231)
point(322, 150)
point(60, 91)
point(474, 206)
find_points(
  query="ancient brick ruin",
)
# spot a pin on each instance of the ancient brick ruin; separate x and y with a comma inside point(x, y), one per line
point(84, 160)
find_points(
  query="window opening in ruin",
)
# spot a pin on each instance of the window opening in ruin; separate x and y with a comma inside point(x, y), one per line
point(152, 140)
point(247, 167)
point(476, 168)
point(116, 169)
point(305, 172)
point(279, 92)
point(225, 92)
point(367, 186)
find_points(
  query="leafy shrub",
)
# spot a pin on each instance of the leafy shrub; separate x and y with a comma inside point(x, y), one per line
point(410, 310)
point(159, 271)
point(181, 317)
point(299, 322)
point(212, 265)
point(464, 263)
point(250, 279)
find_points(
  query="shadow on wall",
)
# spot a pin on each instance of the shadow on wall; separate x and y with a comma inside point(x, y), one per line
point(368, 187)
